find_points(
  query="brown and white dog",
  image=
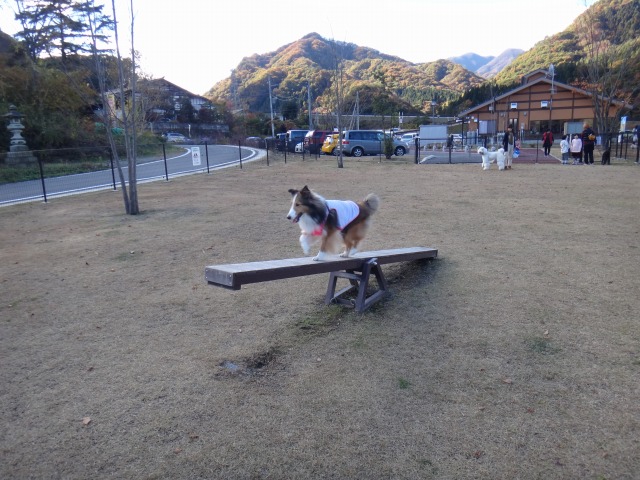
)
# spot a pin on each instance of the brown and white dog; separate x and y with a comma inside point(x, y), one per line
point(331, 221)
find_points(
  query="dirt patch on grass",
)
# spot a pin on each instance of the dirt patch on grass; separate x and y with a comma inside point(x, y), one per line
point(514, 354)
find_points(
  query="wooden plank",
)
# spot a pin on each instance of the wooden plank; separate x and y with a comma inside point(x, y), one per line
point(234, 275)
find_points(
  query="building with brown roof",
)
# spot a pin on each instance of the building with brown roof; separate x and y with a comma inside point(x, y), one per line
point(537, 104)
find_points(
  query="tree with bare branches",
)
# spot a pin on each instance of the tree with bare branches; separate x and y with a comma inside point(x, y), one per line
point(127, 112)
point(609, 58)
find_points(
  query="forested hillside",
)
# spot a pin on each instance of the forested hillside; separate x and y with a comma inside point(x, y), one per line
point(609, 28)
point(599, 52)
point(313, 61)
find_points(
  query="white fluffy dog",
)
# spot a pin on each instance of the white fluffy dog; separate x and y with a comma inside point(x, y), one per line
point(490, 157)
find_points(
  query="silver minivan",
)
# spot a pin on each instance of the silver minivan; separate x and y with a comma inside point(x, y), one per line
point(357, 143)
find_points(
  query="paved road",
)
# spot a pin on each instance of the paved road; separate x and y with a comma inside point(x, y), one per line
point(220, 156)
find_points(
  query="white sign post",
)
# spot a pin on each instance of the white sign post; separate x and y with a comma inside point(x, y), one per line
point(195, 156)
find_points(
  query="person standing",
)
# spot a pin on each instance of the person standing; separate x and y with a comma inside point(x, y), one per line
point(547, 141)
point(576, 150)
point(588, 143)
point(564, 150)
point(508, 144)
point(636, 142)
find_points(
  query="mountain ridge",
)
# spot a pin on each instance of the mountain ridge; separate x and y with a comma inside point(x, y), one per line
point(311, 61)
point(472, 61)
point(414, 88)
point(499, 63)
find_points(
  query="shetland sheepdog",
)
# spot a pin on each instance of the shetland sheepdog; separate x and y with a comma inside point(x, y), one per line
point(331, 221)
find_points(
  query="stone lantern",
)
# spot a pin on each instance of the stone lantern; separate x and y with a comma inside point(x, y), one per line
point(18, 150)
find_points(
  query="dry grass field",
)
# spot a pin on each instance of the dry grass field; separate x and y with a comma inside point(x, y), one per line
point(513, 355)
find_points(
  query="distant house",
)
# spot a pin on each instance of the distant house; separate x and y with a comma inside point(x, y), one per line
point(538, 103)
point(173, 96)
point(168, 107)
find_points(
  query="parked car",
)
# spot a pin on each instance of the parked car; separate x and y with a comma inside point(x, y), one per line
point(294, 137)
point(357, 143)
point(281, 141)
point(175, 138)
point(254, 142)
point(314, 139)
point(409, 138)
point(329, 147)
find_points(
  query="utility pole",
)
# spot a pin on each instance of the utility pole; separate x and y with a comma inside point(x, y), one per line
point(338, 85)
point(357, 110)
point(309, 104)
point(552, 74)
point(273, 131)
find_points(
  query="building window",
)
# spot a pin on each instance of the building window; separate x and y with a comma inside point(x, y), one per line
point(514, 106)
point(544, 104)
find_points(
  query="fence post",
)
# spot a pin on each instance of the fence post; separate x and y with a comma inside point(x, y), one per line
point(113, 173)
point(44, 189)
point(417, 152)
point(206, 154)
point(164, 155)
point(626, 142)
point(266, 147)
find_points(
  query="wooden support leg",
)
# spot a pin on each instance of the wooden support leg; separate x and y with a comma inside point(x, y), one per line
point(359, 280)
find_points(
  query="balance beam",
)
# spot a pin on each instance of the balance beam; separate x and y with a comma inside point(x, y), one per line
point(234, 275)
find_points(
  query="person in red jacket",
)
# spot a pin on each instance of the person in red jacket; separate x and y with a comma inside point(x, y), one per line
point(547, 142)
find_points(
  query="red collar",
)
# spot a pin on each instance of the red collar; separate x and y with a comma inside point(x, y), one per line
point(320, 228)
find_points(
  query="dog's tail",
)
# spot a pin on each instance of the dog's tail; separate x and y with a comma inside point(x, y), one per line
point(372, 201)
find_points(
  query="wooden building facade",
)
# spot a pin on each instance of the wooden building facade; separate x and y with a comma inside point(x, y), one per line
point(537, 104)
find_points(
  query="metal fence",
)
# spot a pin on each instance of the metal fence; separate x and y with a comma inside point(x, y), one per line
point(40, 175)
point(44, 174)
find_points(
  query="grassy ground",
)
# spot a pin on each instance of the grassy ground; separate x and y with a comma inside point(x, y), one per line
point(514, 354)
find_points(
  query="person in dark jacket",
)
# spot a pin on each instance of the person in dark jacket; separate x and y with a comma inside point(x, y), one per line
point(588, 143)
point(508, 143)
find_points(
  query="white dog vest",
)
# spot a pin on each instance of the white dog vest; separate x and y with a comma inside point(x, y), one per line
point(346, 211)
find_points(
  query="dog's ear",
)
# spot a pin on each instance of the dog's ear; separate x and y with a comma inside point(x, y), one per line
point(292, 191)
point(305, 191)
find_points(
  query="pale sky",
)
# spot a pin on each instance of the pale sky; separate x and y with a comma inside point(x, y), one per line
point(196, 43)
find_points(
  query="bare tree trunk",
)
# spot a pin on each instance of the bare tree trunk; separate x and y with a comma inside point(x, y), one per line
point(108, 114)
point(131, 204)
point(338, 81)
point(133, 140)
